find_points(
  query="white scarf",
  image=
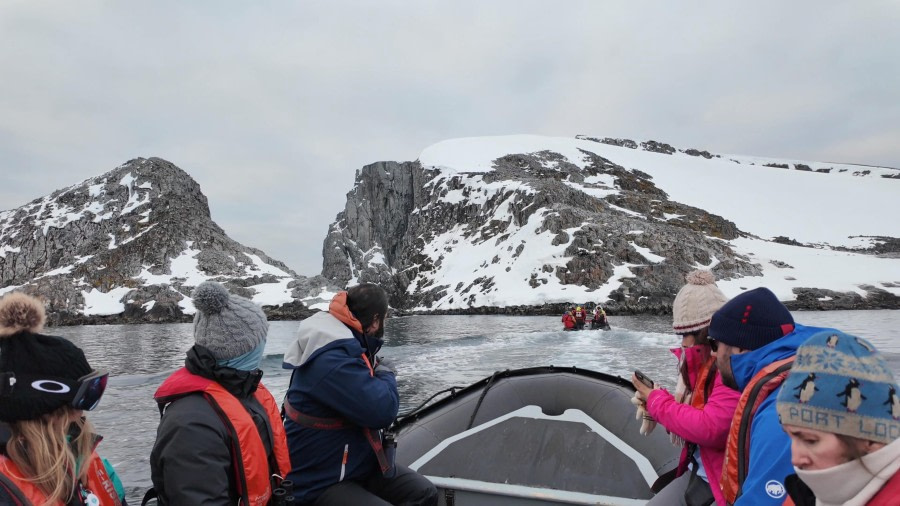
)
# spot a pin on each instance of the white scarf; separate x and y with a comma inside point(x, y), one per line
point(682, 396)
point(851, 483)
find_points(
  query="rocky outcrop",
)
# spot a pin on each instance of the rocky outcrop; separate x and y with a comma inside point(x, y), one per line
point(127, 246)
point(397, 211)
point(537, 232)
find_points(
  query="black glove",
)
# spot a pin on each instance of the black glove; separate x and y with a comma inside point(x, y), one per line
point(383, 364)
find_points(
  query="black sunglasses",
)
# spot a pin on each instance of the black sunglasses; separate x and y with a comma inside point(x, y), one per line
point(713, 345)
point(85, 392)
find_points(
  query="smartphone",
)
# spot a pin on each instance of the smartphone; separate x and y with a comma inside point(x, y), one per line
point(643, 378)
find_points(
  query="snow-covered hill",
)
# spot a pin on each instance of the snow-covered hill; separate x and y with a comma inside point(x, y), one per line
point(528, 220)
point(130, 245)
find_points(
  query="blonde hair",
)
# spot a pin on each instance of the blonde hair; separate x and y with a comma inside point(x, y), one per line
point(41, 450)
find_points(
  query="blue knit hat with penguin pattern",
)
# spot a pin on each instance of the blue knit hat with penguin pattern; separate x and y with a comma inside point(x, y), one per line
point(226, 324)
point(840, 384)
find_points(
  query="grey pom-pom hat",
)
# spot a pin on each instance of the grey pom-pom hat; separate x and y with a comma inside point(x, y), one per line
point(227, 325)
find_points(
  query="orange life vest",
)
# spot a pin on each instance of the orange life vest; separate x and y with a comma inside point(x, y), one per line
point(253, 479)
point(98, 483)
point(704, 383)
point(737, 449)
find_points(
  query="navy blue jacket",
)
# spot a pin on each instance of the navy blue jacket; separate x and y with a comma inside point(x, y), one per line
point(331, 379)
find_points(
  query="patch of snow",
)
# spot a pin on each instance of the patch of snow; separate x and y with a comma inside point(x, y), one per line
point(95, 190)
point(104, 303)
point(8, 249)
point(56, 272)
point(626, 211)
point(599, 193)
point(813, 267)
point(184, 267)
point(264, 267)
point(272, 294)
point(646, 253)
point(8, 289)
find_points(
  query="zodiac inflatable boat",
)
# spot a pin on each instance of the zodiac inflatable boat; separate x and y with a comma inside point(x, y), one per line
point(537, 436)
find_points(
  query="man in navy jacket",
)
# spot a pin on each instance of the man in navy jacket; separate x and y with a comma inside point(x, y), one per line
point(338, 400)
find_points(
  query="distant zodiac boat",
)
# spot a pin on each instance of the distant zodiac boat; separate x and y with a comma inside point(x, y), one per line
point(536, 436)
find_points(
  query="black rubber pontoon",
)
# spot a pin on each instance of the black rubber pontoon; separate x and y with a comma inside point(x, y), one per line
point(534, 436)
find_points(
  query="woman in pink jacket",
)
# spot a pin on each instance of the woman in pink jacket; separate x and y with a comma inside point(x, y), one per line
point(698, 415)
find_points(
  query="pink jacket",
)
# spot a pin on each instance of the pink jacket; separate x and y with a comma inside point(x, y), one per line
point(707, 427)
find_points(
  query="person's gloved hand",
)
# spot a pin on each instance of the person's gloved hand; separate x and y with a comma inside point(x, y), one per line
point(647, 422)
point(385, 365)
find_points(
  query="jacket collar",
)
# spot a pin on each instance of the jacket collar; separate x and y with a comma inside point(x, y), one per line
point(746, 365)
point(200, 361)
point(339, 309)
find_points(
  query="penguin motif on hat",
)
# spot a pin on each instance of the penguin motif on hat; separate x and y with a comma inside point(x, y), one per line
point(864, 344)
point(894, 402)
point(832, 341)
point(852, 395)
point(806, 388)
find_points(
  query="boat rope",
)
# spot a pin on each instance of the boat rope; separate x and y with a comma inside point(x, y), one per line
point(481, 398)
point(416, 410)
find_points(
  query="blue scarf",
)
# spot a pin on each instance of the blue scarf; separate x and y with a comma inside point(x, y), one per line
point(247, 362)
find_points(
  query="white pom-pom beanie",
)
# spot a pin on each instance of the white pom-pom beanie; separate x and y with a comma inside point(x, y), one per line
point(696, 302)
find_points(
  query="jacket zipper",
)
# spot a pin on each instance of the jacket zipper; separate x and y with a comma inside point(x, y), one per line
point(344, 461)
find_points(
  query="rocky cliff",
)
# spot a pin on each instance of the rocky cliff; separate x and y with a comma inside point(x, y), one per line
point(130, 245)
point(532, 231)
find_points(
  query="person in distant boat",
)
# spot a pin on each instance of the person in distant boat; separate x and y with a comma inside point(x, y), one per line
point(698, 415)
point(757, 342)
point(49, 454)
point(339, 399)
point(220, 439)
point(568, 320)
point(599, 319)
point(580, 317)
point(853, 462)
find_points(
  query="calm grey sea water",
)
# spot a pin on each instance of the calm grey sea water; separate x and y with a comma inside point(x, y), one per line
point(430, 352)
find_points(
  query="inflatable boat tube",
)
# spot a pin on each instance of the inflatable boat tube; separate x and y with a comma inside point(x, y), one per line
point(536, 436)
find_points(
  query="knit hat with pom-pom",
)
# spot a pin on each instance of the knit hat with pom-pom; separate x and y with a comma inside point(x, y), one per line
point(696, 302)
point(36, 371)
point(227, 325)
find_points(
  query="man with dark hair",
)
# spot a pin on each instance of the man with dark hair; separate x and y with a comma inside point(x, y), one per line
point(339, 399)
point(757, 341)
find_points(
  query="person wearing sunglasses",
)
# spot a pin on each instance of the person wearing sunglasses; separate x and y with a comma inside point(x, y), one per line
point(698, 415)
point(46, 385)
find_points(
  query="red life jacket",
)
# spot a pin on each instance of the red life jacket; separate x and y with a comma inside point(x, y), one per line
point(568, 321)
point(98, 483)
point(737, 449)
point(253, 479)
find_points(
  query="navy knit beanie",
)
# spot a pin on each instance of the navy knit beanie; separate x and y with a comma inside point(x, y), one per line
point(751, 320)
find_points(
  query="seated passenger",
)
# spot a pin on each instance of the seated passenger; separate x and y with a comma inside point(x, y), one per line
point(47, 384)
point(698, 415)
point(840, 408)
point(220, 439)
point(339, 399)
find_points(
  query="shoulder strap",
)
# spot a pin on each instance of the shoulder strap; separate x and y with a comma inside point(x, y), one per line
point(737, 449)
point(10, 493)
point(149, 496)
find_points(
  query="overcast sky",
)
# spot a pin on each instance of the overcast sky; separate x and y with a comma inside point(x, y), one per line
point(273, 106)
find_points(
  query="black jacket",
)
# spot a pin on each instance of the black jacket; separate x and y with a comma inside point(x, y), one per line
point(191, 462)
